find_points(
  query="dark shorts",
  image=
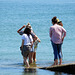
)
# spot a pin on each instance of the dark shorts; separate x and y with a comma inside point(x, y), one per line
point(26, 50)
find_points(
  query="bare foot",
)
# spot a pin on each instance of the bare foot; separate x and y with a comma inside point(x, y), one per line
point(60, 63)
point(35, 60)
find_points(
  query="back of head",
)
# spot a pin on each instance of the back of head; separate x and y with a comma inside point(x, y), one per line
point(27, 31)
point(28, 25)
point(54, 20)
point(59, 22)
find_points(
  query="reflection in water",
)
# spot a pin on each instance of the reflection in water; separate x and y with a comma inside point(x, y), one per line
point(33, 70)
point(29, 71)
point(58, 73)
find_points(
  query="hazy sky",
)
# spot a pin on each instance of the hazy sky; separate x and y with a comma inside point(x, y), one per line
point(42, 1)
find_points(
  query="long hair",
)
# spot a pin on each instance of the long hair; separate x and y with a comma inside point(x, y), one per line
point(54, 19)
point(27, 31)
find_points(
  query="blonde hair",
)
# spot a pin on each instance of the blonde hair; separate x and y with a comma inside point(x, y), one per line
point(28, 25)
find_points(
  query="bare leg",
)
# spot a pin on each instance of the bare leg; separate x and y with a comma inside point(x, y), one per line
point(34, 56)
point(23, 61)
point(26, 62)
point(55, 62)
point(60, 61)
point(31, 57)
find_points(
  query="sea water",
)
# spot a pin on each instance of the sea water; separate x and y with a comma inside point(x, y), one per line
point(14, 15)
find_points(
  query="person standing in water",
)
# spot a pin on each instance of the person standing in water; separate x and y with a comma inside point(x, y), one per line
point(61, 24)
point(32, 55)
point(36, 40)
point(27, 43)
point(21, 32)
point(35, 45)
point(57, 34)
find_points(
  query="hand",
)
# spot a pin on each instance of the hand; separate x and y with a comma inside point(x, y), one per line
point(62, 39)
point(39, 40)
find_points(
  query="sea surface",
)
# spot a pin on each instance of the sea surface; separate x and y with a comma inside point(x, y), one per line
point(14, 15)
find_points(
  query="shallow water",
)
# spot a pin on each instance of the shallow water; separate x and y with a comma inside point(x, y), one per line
point(14, 15)
point(19, 69)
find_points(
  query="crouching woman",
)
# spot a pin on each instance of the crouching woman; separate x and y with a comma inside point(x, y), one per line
point(27, 43)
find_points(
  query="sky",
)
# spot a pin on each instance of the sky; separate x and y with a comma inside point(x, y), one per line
point(41, 1)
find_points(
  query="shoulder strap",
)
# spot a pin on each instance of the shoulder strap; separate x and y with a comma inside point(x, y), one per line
point(29, 38)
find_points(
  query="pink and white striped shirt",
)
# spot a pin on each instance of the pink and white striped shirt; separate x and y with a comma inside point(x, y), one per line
point(56, 33)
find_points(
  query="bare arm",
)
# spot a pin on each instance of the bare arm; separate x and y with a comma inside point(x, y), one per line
point(21, 28)
point(39, 40)
point(31, 44)
point(22, 43)
point(62, 38)
point(64, 34)
point(36, 37)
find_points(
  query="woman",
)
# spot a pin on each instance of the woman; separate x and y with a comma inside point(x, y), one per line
point(32, 55)
point(59, 22)
point(27, 43)
point(21, 32)
point(35, 45)
point(57, 34)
